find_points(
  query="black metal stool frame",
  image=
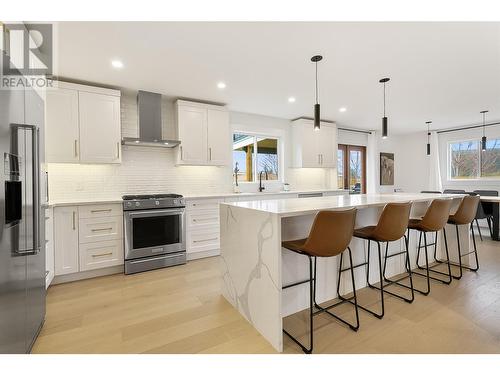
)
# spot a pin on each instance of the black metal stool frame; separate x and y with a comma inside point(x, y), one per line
point(428, 268)
point(384, 278)
point(319, 309)
point(460, 255)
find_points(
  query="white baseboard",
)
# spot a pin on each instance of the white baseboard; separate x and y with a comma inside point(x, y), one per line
point(203, 254)
point(87, 274)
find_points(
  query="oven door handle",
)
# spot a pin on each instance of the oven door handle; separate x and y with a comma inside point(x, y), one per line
point(153, 213)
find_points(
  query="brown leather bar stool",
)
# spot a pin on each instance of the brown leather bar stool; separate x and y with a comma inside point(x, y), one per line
point(464, 215)
point(434, 220)
point(391, 226)
point(330, 236)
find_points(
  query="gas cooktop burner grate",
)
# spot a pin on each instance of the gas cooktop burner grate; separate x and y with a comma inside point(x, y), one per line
point(150, 196)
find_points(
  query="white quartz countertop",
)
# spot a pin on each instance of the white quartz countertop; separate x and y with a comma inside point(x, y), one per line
point(299, 206)
point(86, 201)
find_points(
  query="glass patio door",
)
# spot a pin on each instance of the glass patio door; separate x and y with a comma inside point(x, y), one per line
point(351, 168)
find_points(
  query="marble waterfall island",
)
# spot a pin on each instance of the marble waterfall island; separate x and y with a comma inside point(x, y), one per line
point(254, 266)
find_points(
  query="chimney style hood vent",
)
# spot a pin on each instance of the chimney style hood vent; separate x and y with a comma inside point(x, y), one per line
point(149, 118)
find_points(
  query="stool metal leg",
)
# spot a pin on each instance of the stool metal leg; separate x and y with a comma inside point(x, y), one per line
point(382, 310)
point(439, 262)
point(397, 281)
point(311, 330)
point(479, 230)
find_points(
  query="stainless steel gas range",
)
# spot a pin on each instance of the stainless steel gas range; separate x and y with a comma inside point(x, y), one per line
point(154, 230)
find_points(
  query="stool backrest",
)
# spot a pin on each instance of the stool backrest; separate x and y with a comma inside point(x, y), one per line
point(331, 232)
point(437, 214)
point(466, 212)
point(393, 222)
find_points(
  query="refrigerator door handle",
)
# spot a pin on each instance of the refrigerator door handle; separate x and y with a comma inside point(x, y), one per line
point(36, 187)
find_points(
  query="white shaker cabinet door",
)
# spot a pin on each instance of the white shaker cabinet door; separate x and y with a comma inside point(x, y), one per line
point(66, 240)
point(310, 153)
point(326, 146)
point(62, 130)
point(192, 128)
point(219, 137)
point(100, 140)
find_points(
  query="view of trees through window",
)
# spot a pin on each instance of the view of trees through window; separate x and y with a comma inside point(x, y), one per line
point(467, 161)
point(255, 154)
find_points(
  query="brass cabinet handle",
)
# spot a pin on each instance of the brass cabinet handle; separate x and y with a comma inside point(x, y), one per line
point(103, 210)
point(101, 255)
point(181, 152)
point(100, 229)
point(206, 240)
point(76, 148)
point(74, 220)
point(118, 150)
point(210, 153)
point(206, 219)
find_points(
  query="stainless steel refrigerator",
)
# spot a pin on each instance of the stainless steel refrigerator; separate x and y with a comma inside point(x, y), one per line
point(22, 239)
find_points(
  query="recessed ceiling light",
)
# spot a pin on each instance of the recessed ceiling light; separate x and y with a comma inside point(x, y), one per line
point(291, 99)
point(342, 109)
point(117, 64)
point(221, 85)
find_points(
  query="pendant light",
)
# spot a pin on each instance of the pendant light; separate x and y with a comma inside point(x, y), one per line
point(384, 119)
point(428, 137)
point(315, 59)
point(483, 140)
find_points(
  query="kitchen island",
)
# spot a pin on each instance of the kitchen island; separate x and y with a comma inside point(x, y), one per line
point(254, 266)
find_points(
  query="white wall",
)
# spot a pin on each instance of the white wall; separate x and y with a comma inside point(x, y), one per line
point(153, 170)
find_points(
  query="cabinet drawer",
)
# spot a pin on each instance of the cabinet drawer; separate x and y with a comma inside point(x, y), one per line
point(100, 229)
point(100, 210)
point(203, 204)
point(101, 254)
point(203, 240)
point(202, 218)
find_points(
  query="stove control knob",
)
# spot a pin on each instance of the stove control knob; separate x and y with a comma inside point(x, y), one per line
point(176, 201)
point(157, 203)
point(137, 204)
point(129, 204)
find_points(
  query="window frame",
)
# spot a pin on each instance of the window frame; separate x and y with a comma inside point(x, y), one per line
point(448, 161)
point(279, 149)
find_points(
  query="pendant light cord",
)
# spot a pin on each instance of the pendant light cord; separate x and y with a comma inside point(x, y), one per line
point(316, 63)
point(484, 127)
point(384, 99)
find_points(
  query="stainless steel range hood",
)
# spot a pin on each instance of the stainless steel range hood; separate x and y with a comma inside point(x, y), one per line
point(149, 119)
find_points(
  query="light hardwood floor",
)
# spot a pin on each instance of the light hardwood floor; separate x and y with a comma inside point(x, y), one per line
point(180, 310)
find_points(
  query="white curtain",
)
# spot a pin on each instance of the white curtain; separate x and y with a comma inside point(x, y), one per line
point(372, 164)
point(435, 182)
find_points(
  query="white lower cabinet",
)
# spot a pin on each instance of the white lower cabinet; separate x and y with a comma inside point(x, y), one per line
point(87, 238)
point(202, 228)
point(100, 254)
point(65, 240)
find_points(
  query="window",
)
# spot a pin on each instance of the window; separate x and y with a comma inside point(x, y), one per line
point(253, 154)
point(351, 168)
point(467, 161)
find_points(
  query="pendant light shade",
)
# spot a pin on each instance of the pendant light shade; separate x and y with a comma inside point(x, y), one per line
point(428, 137)
point(317, 112)
point(483, 139)
point(384, 119)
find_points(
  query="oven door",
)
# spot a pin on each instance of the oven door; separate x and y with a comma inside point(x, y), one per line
point(153, 232)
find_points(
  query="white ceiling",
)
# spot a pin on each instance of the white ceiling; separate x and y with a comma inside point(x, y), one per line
point(444, 72)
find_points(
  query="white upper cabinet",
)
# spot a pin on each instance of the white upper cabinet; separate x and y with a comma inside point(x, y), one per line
point(61, 118)
point(192, 130)
point(99, 128)
point(314, 148)
point(82, 124)
point(218, 137)
point(204, 132)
